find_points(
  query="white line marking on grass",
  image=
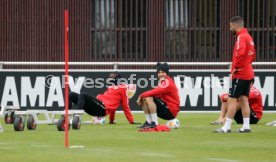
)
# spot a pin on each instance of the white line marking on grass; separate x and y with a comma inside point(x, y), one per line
point(3, 143)
point(40, 146)
point(155, 154)
point(99, 150)
point(6, 148)
point(223, 160)
point(77, 147)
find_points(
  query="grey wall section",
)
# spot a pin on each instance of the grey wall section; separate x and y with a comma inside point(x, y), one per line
point(198, 90)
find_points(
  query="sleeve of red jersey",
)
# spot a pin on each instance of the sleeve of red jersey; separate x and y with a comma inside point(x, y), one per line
point(112, 116)
point(254, 99)
point(125, 106)
point(254, 56)
point(254, 95)
point(224, 97)
point(241, 49)
point(159, 90)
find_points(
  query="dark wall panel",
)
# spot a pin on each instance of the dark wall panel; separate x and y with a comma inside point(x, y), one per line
point(132, 30)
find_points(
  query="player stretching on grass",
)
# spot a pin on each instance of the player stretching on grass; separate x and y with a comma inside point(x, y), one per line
point(106, 103)
point(242, 76)
point(162, 101)
point(255, 104)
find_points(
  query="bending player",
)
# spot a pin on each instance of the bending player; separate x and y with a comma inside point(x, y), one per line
point(255, 104)
point(106, 103)
point(162, 101)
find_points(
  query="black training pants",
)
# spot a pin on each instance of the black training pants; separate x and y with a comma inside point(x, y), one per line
point(89, 104)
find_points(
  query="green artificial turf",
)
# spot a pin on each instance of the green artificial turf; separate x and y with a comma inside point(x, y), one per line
point(193, 141)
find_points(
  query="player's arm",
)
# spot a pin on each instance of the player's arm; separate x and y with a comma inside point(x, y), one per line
point(255, 101)
point(112, 118)
point(255, 94)
point(224, 97)
point(159, 90)
point(253, 56)
point(125, 106)
point(240, 53)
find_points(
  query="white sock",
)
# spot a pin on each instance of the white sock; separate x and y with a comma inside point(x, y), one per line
point(1, 128)
point(227, 124)
point(154, 118)
point(148, 117)
point(246, 123)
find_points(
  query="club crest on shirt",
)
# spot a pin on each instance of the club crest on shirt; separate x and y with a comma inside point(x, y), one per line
point(250, 53)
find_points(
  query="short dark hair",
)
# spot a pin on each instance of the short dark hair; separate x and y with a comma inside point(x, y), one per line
point(237, 20)
point(114, 77)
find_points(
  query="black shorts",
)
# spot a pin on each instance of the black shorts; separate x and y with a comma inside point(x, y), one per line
point(239, 88)
point(239, 118)
point(89, 104)
point(163, 111)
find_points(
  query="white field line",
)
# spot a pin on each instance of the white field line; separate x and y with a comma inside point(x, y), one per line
point(155, 154)
point(40, 146)
point(222, 160)
point(7, 148)
point(76, 147)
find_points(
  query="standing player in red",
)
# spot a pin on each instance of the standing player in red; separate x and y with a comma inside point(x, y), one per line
point(242, 76)
point(255, 104)
point(106, 103)
point(162, 101)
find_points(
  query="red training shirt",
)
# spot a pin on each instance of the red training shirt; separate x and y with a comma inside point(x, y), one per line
point(243, 55)
point(113, 97)
point(168, 93)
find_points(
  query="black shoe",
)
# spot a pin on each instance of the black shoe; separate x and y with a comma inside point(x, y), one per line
point(222, 131)
point(151, 125)
point(146, 124)
point(244, 131)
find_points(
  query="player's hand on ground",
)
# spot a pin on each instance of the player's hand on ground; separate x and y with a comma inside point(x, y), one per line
point(139, 101)
point(135, 123)
point(112, 122)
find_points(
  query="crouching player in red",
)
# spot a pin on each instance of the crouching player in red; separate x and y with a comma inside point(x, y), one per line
point(106, 103)
point(255, 104)
point(162, 101)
